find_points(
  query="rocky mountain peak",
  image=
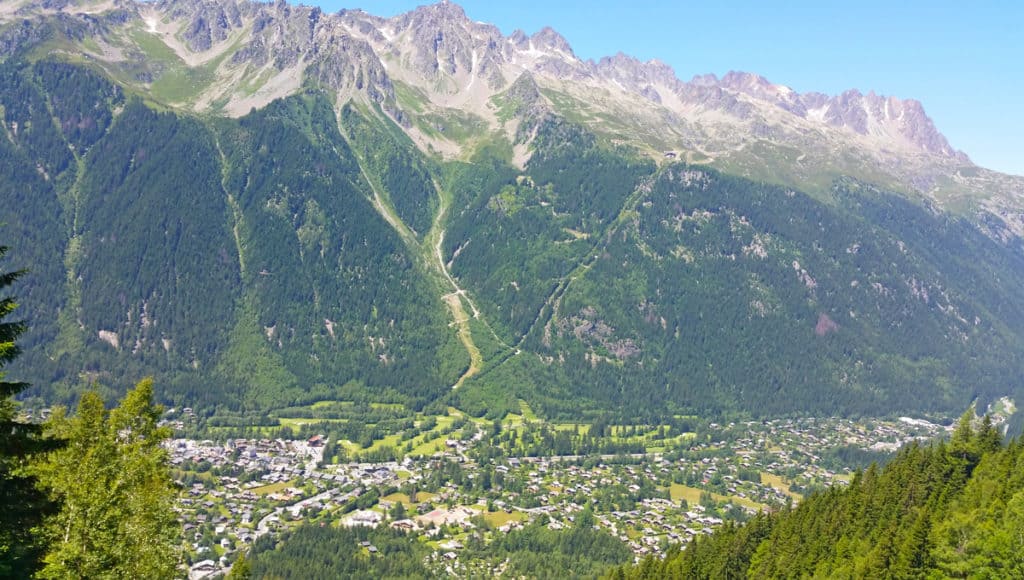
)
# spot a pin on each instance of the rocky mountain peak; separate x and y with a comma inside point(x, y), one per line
point(548, 39)
point(458, 63)
point(442, 43)
point(647, 79)
point(884, 118)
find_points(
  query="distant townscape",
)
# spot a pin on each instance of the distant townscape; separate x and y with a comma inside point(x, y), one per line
point(236, 491)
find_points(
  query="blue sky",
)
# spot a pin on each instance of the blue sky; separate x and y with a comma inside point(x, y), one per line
point(963, 61)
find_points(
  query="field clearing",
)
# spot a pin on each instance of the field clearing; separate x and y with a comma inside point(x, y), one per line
point(389, 441)
point(445, 421)
point(428, 446)
point(272, 488)
point(323, 404)
point(679, 491)
point(420, 497)
point(779, 483)
point(349, 446)
point(500, 518)
point(425, 443)
point(398, 497)
point(742, 501)
point(512, 420)
point(583, 428)
point(298, 422)
point(527, 412)
point(663, 445)
point(692, 495)
point(388, 406)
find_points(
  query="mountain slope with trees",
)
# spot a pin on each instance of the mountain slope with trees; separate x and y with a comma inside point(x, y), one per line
point(705, 292)
point(254, 264)
point(245, 255)
point(324, 246)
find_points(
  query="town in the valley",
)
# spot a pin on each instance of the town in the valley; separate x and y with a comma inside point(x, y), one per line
point(454, 480)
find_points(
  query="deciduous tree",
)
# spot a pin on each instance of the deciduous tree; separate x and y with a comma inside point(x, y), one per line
point(115, 491)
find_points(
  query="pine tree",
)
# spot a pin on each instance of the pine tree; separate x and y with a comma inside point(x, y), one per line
point(21, 505)
point(241, 569)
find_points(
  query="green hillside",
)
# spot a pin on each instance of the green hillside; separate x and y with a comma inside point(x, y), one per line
point(304, 253)
point(687, 289)
point(241, 261)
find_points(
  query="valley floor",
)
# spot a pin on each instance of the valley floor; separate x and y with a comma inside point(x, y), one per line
point(465, 487)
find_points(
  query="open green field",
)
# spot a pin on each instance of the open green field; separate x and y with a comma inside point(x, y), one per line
point(298, 422)
point(329, 404)
point(391, 441)
point(399, 498)
point(427, 446)
point(692, 495)
point(780, 483)
point(272, 488)
point(528, 413)
point(427, 443)
point(679, 491)
point(388, 406)
point(582, 428)
point(500, 518)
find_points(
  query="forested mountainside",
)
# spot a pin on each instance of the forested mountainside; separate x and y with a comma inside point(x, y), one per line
point(238, 260)
point(349, 240)
point(682, 285)
point(950, 510)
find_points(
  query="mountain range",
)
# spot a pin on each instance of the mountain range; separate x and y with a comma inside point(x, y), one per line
point(266, 205)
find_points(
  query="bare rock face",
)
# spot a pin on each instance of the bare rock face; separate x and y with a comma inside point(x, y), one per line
point(209, 21)
point(18, 35)
point(639, 77)
point(548, 39)
point(524, 94)
point(758, 87)
point(349, 64)
point(441, 42)
point(920, 129)
point(439, 46)
point(847, 110)
point(527, 104)
point(458, 63)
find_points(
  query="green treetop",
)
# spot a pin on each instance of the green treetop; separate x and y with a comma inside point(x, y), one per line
point(115, 490)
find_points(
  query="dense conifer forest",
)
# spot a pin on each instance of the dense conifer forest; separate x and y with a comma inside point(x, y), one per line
point(302, 254)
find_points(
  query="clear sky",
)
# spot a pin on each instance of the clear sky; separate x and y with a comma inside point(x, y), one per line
point(963, 60)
